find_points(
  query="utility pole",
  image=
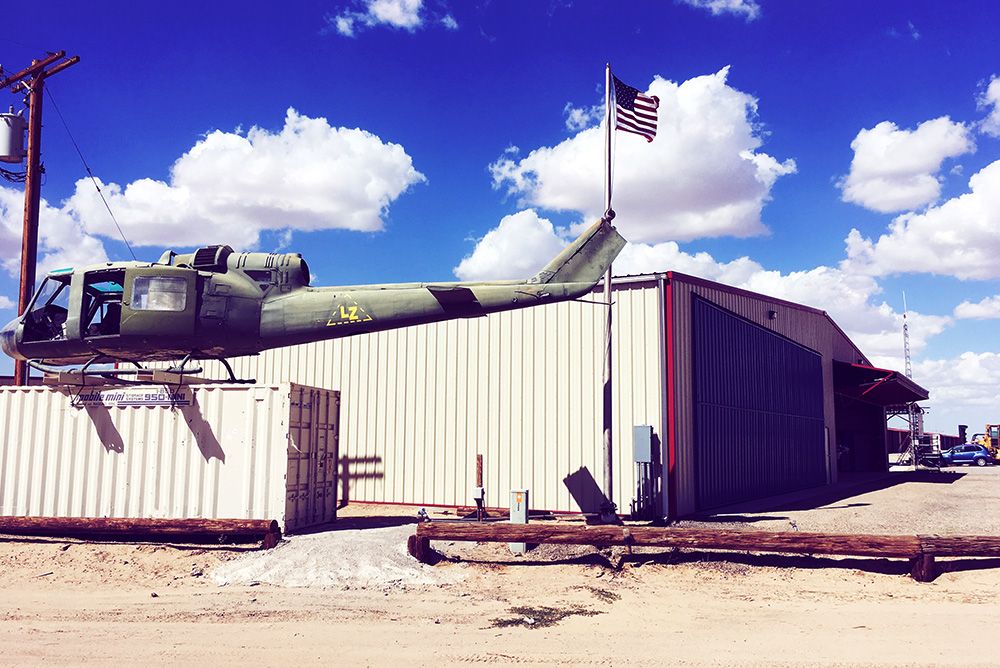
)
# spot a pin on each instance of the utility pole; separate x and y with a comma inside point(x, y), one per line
point(32, 79)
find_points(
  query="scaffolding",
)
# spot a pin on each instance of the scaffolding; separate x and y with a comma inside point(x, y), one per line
point(914, 415)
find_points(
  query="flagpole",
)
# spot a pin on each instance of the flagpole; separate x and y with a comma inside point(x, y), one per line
point(608, 513)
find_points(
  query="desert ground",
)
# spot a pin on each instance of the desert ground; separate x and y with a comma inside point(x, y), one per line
point(351, 596)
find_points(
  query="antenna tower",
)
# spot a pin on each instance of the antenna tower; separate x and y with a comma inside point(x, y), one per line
point(913, 409)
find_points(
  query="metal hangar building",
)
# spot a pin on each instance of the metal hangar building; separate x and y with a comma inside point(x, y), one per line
point(748, 396)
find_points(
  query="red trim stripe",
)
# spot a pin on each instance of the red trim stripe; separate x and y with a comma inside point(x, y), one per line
point(648, 135)
point(633, 124)
point(648, 117)
point(671, 426)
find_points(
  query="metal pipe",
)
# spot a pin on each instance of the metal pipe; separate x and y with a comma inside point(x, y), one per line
point(608, 422)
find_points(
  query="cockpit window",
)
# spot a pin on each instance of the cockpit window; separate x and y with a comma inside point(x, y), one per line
point(46, 319)
point(159, 293)
point(102, 302)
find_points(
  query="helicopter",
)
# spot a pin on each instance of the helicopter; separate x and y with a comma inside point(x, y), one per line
point(216, 303)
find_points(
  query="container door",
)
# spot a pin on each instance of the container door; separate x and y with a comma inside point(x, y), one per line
point(297, 482)
point(325, 409)
point(159, 301)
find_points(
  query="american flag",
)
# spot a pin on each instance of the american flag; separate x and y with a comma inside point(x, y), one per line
point(635, 111)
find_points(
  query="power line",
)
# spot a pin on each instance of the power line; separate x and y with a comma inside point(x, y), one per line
point(90, 173)
point(14, 177)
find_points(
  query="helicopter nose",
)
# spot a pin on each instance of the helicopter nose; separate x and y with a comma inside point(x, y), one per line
point(7, 339)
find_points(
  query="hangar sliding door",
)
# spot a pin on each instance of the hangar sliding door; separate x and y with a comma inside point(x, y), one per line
point(758, 404)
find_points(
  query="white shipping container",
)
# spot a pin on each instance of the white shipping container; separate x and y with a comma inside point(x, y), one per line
point(199, 451)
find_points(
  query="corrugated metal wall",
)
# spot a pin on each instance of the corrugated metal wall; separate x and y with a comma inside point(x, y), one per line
point(522, 388)
point(806, 326)
point(758, 402)
point(221, 452)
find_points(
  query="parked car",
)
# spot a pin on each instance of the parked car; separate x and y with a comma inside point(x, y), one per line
point(967, 454)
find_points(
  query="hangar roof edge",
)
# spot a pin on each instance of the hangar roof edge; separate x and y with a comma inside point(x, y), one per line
point(696, 280)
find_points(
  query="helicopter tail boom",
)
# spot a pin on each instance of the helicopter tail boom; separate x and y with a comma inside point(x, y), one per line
point(586, 259)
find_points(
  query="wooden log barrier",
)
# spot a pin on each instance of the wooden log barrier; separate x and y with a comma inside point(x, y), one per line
point(921, 550)
point(194, 530)
point(961, 546)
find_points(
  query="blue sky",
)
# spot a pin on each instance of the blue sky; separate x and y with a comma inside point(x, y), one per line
point(402, 140)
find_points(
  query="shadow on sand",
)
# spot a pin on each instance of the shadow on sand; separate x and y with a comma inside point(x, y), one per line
point(738, 562)
point(366, 522)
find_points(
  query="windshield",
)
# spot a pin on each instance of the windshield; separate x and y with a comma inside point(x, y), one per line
point(46, 318)
point(52, 290)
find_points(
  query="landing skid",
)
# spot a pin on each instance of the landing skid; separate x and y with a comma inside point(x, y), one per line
point(182, 370)
point(179, 374)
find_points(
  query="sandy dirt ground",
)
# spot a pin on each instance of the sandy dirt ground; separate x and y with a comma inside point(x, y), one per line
point(71, 603)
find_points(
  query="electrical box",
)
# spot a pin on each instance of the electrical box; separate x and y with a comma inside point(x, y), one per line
point(12, 137)
point(518, 515)
point(642, 444)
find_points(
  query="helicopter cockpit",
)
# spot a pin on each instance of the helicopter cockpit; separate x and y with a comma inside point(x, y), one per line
point(47, 314)
point(78, 312)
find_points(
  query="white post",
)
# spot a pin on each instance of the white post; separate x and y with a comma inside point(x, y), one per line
point(608, 513)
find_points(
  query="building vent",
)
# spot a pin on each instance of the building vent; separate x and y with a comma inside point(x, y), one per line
point(211, 258)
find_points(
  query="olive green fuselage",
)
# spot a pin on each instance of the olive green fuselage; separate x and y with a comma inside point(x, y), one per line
point(218, 303)
point(229, 319)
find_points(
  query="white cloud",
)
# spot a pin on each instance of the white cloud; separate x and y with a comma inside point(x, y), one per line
point(960, 238)
point(517, 248)
point(991, 98)
point(897, 170)
point(748, 9)
point(406, 15)
point(578, 118)
point(640, 258)
point(62, 240)
point(963, 390)
point(343, 24)
point(701, 177)
point(985, 309)
point(910, 30)
point(7, 303)
point(396, 13)
point(229, 187)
